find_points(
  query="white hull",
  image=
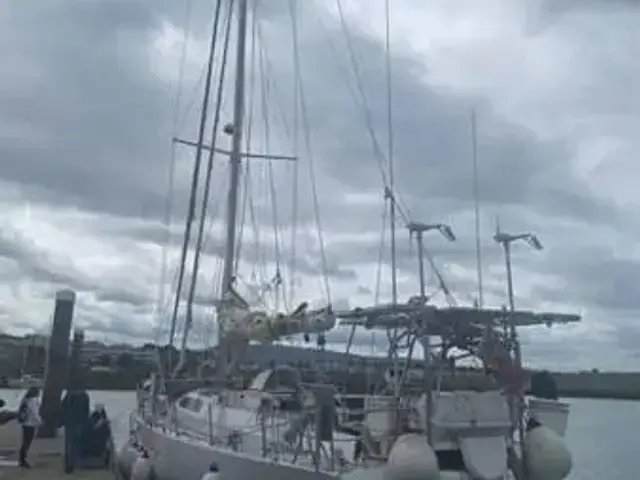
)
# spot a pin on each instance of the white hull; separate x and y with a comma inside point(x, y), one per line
point(195, 460)
point(460, 420)
point(182, 458)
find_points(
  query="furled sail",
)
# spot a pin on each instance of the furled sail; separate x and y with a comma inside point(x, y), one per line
point(237, 319)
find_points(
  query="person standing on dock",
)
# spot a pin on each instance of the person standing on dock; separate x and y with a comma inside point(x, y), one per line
point(29, 418)
point(74, 419)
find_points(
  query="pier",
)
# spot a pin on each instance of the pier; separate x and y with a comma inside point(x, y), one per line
point(57, 366)
point(45, 457)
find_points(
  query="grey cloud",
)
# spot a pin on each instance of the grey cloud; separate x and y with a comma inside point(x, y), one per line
point(37, 265)
point(432, 137)
point(596, 278)
point(252, 252)
point(554, 9)
point(88, 138)
point(363, 290)
point(121, 297)
point(628, 337)
point(130, 161)
point(34, 262)
point(119, 322)
point(86, 121)
point(96, 133)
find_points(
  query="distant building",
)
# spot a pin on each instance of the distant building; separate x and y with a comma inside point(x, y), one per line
point(263, 356)
point(93, 351)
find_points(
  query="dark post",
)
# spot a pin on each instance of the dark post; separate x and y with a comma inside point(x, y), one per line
point(57, 366)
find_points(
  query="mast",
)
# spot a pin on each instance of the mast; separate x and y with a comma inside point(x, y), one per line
point(426, 344)
point(476, 207)
point(235, 129)
point(235, 159)
point(389, 193)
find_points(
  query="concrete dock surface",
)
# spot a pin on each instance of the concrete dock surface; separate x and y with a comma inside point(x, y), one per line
point(45, 457)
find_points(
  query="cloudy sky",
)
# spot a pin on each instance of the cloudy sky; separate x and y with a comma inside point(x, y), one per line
point(91, 93)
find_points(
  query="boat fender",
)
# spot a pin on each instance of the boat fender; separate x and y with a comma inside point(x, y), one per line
point(411, 458)
point(212, 474)
point(142, 467)
point(547, 455)
point(125, 459)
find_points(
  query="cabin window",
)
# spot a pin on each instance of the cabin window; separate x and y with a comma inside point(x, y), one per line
point(196, 405)
point(190, 403)
point(283, 378)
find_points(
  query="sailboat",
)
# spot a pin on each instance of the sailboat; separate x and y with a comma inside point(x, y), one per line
point(282, 428)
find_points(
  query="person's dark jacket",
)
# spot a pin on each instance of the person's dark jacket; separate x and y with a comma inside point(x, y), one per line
point(75, 409)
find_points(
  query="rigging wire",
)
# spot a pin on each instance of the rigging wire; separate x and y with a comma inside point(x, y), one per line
point(163, 305)
point(377, 149)
point(381, 248)
point(389, 193)
point(207, 179)
point(274, 94)
point(476, 207)
point(192, 97)
point(196, 172)
point(390, 153)
point(293, 13)
point(265, 84)
point(269, 92)
point(235, 160)
point(168, 212)
point(249, 136)
point(314, 189)
point(247, 204)
point(216, 203)
point(257, 267)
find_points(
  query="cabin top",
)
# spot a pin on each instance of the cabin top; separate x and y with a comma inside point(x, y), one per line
point(279, 378)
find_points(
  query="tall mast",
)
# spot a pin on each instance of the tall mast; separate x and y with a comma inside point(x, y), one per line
point(476, 206)
point(236, 154)
point(390, 194)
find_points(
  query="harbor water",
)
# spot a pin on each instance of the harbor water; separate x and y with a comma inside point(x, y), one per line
point(602, 434)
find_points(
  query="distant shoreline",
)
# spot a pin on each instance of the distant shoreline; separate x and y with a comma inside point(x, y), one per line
point(594, 385)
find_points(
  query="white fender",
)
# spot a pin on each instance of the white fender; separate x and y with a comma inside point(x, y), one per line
point(411, 458)
point(142, 468)
point(126, 457)
point(548, 458)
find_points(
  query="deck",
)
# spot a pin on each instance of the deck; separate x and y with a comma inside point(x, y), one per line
point(45, 458)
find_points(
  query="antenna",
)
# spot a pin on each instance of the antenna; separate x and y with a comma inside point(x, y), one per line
point(474, 145)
